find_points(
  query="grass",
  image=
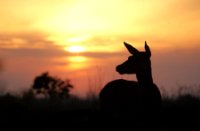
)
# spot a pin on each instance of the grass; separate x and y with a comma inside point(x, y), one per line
point(181, 112)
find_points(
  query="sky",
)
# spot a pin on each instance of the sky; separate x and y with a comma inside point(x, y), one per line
point(83, 40)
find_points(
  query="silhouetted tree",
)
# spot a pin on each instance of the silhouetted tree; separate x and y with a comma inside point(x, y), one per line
point(53, 86)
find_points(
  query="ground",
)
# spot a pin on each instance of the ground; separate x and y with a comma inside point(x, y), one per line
point(50, 115)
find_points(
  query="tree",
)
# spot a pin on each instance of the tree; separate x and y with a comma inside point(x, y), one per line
point(52, 86)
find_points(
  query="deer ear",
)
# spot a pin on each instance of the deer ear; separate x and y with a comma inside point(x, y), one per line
point(148, 51)
point(130, 48)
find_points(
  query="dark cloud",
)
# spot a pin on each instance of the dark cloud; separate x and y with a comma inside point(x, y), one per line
point(28, 52)
point(102, 54)
point(28, 44)
point(111, 40)
point(191, 4)
point(25, 39)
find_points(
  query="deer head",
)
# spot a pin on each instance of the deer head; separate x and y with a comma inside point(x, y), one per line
point(137, 62)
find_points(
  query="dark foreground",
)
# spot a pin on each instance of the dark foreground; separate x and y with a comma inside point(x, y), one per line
point(179, 114)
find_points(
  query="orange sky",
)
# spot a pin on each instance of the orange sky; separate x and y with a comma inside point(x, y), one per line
point(166, 22)
point(41, 33)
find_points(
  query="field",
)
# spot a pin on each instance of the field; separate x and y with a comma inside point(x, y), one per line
point(28, 113)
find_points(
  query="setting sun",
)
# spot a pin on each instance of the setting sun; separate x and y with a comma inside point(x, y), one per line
point(75, 49)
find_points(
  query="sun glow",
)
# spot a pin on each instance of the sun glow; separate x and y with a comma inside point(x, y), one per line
point(77, 59)
point(77, 62)
point(75, 49)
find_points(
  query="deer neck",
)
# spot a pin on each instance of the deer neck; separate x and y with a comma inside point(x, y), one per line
point(144, 77)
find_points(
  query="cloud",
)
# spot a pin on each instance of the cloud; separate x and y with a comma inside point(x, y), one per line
point(28, 52)
point(102, 55)
point(29, 46)
point(187, 5)
point(1, 65)
point(25, 40)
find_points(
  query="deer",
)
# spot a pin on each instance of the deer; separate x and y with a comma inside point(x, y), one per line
point(125, 98)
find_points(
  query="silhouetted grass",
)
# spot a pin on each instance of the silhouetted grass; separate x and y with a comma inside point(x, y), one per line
point(178, 112)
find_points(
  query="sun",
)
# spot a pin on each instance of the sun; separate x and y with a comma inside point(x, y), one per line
point(75, 49)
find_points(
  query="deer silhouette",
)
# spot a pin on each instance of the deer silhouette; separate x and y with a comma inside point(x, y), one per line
point(130, 98)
